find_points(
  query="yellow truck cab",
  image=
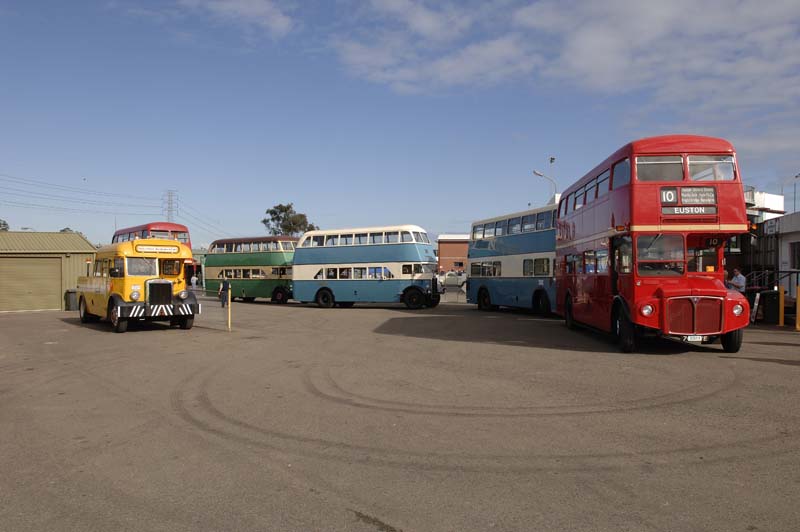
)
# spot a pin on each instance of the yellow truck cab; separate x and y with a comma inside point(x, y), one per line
point(141, 279)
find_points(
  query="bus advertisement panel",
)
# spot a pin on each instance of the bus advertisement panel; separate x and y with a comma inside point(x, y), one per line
point(139, 280)
point(371, 264)
point(511, 261)
point(640, 243)
point(255, 266)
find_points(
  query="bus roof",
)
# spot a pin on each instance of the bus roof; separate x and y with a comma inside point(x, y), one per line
point(148, 247)
point(168, 226)
point(382, 229)
point(549, 207)
point(661, 145)
point(278, 238)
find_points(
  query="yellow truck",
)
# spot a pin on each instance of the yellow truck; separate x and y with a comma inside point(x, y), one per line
point(142, 279)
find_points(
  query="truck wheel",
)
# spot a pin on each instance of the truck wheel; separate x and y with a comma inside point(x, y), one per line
point(119, 325)
point(732, 341)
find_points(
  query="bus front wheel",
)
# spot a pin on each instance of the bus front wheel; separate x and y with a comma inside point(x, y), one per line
point(732, 341)
point(413, 299)
point(325, 298)
point(119, 325)
point(279, 296)
point(186, 322)
point(625, 331)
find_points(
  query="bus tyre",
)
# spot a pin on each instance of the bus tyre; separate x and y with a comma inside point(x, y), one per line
point(484, 300)
point(625, 331)
point(325, 298)
point(541, 304)
point(732, 341)
point(346, 304)
point(279, 296)
point(186, 322)
point(434, 301)
point(119, 325)
point(413, 298)
point(84, 314)
point(569, 320)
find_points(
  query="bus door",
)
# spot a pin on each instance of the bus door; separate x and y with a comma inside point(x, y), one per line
point(621, 268)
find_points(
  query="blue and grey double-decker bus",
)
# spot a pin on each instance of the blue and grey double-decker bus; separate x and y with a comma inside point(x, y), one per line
point(366, 265)
point(512, 261)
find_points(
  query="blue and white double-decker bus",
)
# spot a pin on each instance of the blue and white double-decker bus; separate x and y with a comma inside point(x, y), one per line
point(370, 264)
point(512, 261)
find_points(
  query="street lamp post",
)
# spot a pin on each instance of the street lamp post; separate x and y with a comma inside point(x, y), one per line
point(552, 181)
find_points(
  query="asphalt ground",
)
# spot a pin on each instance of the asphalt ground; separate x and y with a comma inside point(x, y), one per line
point(383, 419)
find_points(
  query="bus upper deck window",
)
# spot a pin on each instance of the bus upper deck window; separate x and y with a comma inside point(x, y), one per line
point(528, 223)
point(392, 237)
point(418, 237)
point(477, 232)
point(425, 238)
point(711, 168)
point(317, 241)
point(332, 240)
point(376, 238)
point(660, 168)
point(622, 174)
point(488, 230)
point(514, 226)
point(407, 237)
point(346, 240)
point(306, 243)
point(361, 239)
point(500, 228)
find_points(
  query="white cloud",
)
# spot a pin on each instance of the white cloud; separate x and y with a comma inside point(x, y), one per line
point(264, 14)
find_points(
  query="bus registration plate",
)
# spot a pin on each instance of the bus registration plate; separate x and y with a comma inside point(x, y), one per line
point(694, 338)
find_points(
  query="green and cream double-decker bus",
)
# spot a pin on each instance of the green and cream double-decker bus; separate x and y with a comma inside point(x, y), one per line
point(255, 266)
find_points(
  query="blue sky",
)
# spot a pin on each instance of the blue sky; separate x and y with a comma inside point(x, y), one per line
point(369, 112)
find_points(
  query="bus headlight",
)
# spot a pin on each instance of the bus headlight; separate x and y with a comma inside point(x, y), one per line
point(647, 310)
point(738, 309)
point(183, 294)
point(135, 296)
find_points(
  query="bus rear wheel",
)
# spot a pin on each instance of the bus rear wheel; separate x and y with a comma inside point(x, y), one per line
point(484, 300)
point(625, 331)
point(732, 341)
point(413, 298)
point(569, 320)
point(186, 322)
point(118, 324)
point(324, 298)
point(279, 296)
point(84, 314)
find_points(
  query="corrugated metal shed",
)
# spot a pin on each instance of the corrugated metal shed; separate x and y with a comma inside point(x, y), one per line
point(38, 269)
point(29, 242)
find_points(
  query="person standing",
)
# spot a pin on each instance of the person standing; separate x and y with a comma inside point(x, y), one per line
point(738, 281)
point(194, 281)
point(224, 288)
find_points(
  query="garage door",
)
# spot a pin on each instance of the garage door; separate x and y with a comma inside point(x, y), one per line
point(30, 283)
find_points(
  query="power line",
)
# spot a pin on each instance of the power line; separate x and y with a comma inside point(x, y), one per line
point(202, 226)
point(69, 209)
point(57, 197)
point(24, 180)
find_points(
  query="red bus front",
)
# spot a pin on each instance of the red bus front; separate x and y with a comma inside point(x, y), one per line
point(661, 231)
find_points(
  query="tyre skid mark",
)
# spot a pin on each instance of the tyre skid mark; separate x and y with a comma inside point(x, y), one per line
point(204, 415)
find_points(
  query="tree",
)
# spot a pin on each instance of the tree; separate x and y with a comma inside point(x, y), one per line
point(284, 220)
point(3, 225)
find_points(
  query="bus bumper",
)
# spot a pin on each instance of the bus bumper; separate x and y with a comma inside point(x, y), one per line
point(156, 312)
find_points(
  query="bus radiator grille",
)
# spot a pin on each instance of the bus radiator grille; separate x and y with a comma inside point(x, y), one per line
point(694, 315)
point(160, 294)
point(680, 314)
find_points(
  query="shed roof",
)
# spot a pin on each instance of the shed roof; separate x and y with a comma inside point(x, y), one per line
point(30, 242)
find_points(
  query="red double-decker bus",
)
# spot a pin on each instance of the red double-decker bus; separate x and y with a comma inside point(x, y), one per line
point(640, 243)
point(165, 230)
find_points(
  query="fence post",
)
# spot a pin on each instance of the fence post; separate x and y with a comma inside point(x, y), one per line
point(781, 297)
point(228, 295)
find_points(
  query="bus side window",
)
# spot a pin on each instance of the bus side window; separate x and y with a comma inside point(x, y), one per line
point(375, 272)
point(387, 274)
point(118, 269)
point(331, 273)
point(622, 174)
point(318, 274)
point(406, 269)
point(527, 267)
point(98, 268)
